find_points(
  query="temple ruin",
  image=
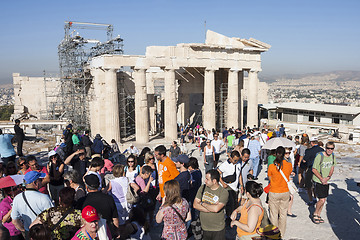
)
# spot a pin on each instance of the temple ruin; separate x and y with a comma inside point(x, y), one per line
point(214, 83)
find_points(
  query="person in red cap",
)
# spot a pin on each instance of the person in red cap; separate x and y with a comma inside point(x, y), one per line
point(93, 226)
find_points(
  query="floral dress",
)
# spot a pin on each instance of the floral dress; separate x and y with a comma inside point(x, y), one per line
point(67, 228)
point(174, 227)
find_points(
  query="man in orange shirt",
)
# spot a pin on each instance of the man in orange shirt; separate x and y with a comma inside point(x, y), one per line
point(166, 169)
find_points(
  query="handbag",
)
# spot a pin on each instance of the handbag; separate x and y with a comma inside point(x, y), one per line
point(267, 188)
point(230, 178)
point(131, 196)
point(291, 185)
point(196, 224)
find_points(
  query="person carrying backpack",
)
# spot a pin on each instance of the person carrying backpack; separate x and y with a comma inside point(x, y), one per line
point(323, 169)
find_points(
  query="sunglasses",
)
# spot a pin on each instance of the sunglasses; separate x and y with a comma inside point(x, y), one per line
point(287, 152)
point(22, 164)
point(151, 158)
point(330, 148)
point(131, 161)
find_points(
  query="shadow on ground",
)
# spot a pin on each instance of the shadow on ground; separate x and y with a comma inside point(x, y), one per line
point(352, 185)
point(343, 212)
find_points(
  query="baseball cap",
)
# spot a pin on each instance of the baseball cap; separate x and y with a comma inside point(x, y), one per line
point(92, 180)
point(90, 214)
point(181, 158)
point(52, 153)
point(32, 176)
point(313, 139)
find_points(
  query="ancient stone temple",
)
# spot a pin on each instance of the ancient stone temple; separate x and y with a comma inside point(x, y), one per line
point(217, 78)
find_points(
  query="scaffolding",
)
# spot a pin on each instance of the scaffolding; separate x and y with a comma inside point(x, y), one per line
point(127, 110)
point(222, 106)
point(75, 53)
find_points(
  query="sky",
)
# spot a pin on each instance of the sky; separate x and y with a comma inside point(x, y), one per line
point(306, 36)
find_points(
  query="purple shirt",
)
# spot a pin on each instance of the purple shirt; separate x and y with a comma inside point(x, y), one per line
point(5, 207)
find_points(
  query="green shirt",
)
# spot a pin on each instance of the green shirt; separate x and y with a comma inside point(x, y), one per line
point(230, 140)
point(213, 221)
point(75, 139)
point(325, 167)
point(271, 159)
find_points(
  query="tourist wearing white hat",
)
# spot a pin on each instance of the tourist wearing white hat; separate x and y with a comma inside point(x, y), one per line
point(55, 168)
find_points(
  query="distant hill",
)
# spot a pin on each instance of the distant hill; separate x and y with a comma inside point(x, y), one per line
point(337, 76)
point(6, 86)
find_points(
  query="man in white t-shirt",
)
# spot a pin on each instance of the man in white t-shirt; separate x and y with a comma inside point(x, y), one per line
point(217, 144)
point(29, 204)
point(230, 174)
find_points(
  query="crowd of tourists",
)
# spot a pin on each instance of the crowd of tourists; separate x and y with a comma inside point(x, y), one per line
point(88, 189)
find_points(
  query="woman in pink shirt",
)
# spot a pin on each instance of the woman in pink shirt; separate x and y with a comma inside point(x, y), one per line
point(5, 211)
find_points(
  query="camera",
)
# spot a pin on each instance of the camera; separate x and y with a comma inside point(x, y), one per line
point(250, 177)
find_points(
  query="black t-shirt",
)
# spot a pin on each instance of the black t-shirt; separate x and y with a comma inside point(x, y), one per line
point(78, 165)
point(184, 181)
point(195, 184)
point(310, 155)
point(103, 203)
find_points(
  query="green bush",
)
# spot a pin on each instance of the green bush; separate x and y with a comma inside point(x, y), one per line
point(5, 112)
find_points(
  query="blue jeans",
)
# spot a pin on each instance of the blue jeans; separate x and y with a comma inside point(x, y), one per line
point(255, 162)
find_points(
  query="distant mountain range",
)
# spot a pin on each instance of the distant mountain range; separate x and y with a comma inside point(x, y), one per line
point(337, 76)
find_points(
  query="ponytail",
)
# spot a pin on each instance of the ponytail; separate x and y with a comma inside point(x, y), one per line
point(280, 153)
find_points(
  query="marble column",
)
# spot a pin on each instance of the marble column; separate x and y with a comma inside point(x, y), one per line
point(94, 105)
point(209, 115)
point(241, 98)
point(252, 96)
point(233, 99)
point(141, 106)
point(170, 105)
point(112, 130)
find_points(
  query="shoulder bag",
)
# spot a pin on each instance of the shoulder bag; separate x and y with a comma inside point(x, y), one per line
point(181, 217)
point(27, 203)
point(131, 196)
point(291, 185)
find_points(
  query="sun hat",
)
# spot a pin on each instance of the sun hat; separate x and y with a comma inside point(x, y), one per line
point(90, 214)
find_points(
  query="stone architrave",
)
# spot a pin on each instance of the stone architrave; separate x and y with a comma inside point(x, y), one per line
point(233, 100)
point(141, 106)
point(252, 107)
point(170, 105)
point(111, 106)
point(209, 113)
